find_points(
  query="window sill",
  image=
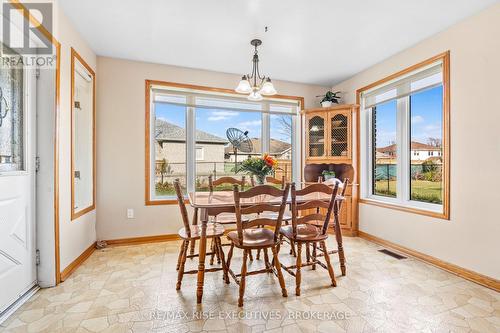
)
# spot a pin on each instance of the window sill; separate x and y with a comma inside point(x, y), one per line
point(164, 202)
point(439, 215)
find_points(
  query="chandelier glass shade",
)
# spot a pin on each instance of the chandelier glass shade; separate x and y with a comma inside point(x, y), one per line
point(254, 84)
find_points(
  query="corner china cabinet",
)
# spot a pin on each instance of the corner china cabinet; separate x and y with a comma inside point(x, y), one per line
point(329, 146)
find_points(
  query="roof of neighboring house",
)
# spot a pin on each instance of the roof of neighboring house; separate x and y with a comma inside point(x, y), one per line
point(166, 131)
point(277, 147)
point(414, 146)
point(380, 154)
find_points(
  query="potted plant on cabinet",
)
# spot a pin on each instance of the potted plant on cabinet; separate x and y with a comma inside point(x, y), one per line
point(329, 98)
point(327, 174)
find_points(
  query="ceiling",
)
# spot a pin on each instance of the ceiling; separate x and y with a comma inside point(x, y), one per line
point(317, 41)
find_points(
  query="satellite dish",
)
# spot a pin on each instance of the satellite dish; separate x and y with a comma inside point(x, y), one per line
point(240, 141)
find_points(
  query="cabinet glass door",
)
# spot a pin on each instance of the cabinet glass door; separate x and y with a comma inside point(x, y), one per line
point(316, 136)
point(339, 135)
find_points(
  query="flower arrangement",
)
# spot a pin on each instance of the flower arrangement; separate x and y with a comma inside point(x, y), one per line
point(259, 167)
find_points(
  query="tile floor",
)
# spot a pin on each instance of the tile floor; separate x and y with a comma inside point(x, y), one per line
point(132, 289)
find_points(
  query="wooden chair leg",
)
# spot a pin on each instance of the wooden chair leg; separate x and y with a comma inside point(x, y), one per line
point(193, 244)
point(258, 254)
point(217, 248)
point(313, 267)
point(180, 256)
point(180, 274)
point(308, 252)
point(243, 276)
point(266, 259)
point(338, 238)
point(250, 256)
point(328, 263)
point(292, 248)
point(278, 247)
point(277, 264)
point(297, 273)
point(222, 259)
point(230, 256)
point(212, 249)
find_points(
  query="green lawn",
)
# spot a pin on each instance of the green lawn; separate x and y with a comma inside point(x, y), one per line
point(229, 187)
point(171, 191)
point(421, 190)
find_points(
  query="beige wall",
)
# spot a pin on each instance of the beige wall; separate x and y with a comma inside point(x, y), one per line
point(120, 123)
point(471, 238)
point(74, 236)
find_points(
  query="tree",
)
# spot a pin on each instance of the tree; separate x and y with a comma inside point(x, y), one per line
point(165, 169)
point(435, 142)
point(285, 123)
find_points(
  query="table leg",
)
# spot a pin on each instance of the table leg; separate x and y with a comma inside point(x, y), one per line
point(195, 222)
point(202, 254)
point(338, 237)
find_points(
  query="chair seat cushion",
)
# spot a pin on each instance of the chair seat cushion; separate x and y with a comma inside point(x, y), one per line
point(305, 232)
point(253, 238)
point(228, 218)
point(213, 230)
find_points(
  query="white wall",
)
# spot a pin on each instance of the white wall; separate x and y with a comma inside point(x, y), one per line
point(120, 123)
point(77, 235)
point(471, 238)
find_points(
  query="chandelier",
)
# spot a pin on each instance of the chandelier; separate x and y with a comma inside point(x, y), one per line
point(254, 84)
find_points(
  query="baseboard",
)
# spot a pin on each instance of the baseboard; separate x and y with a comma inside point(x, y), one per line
point(77, 262)
point(143, 240)
point(345, 232)
point(478, 278)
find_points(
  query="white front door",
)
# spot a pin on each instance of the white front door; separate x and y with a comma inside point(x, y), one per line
point(17, 184)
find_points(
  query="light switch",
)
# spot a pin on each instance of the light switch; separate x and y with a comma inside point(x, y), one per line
point(130, 213)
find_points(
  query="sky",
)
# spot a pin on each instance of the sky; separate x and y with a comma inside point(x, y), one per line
point(216, 121)
point(426, 118)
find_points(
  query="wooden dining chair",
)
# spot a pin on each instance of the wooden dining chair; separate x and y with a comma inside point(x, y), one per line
point(276, 181)
point(253, 235)
point(305, 230)
point(190, 233)
point(287, 216)
point(338, 231)
point(213, 183)
point(224, 218)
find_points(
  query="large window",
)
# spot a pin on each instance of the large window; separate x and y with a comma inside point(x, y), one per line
point(187, 127)
point(404, 152)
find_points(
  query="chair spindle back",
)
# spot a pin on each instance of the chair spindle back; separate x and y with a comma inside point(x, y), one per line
point(212, 183)
point(276, 181)
point(316, 197)
point(255, 201)
point(182, 206)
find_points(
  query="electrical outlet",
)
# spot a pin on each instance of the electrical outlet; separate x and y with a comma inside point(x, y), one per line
point(130, 213)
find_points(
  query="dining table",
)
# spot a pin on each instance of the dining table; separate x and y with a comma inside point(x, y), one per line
point(216, 202)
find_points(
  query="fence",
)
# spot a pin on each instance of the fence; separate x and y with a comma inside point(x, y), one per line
point(166, 173)
point(389, 171)
point(426, 181)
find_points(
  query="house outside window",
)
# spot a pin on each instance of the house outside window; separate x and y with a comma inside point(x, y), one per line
point(404, 158)
point(200, 153)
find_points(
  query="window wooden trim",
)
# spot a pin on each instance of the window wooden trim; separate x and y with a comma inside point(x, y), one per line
point(148, 84)
point(74, 215)
point(445, 214)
